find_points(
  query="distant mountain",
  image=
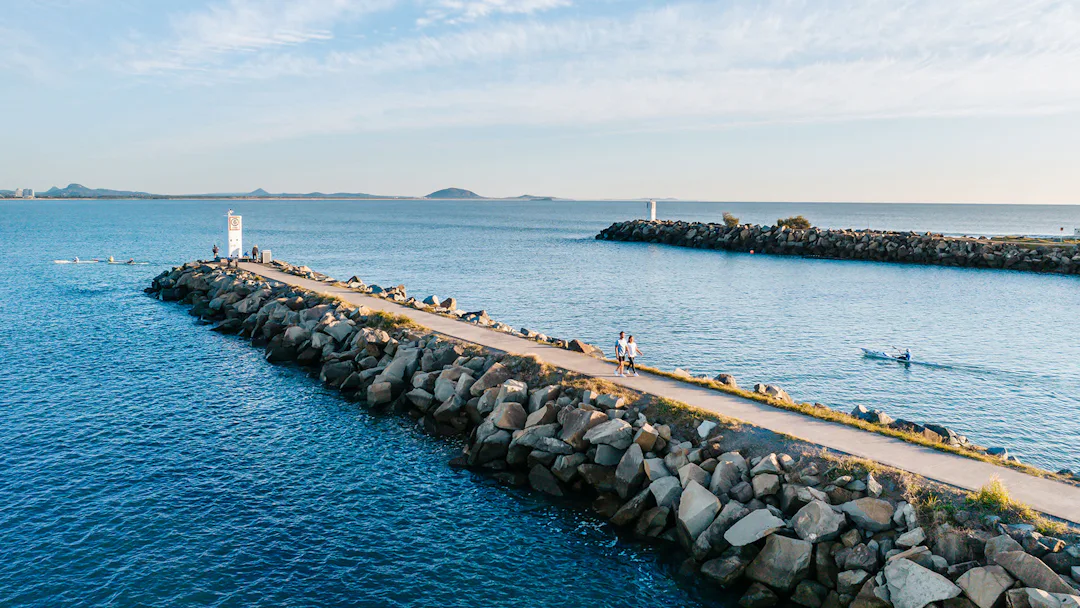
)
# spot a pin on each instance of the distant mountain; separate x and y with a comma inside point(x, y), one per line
point(260, 193)
point(81, 191)
point(453, 193)
point(532, 197)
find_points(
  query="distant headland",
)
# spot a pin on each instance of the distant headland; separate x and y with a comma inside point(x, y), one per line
point(78, 191)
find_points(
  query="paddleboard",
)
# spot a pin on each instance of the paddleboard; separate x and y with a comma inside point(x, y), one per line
point(74, 262)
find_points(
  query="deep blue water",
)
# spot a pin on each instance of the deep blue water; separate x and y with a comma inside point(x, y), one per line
point(148, 461)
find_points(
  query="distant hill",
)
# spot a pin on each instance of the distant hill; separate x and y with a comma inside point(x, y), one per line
point(532, 197)
point(453, 193)
point(81, 191)
point(260, 193)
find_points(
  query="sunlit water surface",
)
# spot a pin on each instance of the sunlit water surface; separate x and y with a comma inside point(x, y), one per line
point(148, 461)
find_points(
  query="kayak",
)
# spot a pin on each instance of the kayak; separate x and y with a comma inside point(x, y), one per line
point(129, 263)
point(74, 262)
point(879, 354)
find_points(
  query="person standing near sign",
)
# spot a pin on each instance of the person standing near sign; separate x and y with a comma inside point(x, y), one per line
point(255, 253)
point(216, 250)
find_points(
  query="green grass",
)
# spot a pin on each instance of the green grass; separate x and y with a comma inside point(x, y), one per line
point(994, 498)
point(831, 415)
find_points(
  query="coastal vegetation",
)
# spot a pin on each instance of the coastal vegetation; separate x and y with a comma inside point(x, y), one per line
point(796, 221)
point(730, 220)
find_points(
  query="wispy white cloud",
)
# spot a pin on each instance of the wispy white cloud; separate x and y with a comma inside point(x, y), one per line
point(690, 64)
point(246, 26)
point(22, 55)
point(465, 11)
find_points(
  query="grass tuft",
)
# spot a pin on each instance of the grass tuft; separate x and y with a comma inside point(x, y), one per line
point(831, 415)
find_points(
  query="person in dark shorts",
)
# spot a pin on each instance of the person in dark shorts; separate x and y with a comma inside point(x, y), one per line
point(620, 353)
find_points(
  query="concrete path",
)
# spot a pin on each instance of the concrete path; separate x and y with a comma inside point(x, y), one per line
point(1051, 497)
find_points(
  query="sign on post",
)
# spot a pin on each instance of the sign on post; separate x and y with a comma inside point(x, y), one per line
point(235, 236)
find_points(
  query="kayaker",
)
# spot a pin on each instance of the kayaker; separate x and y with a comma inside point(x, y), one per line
point(907, 355)
point(131, 261)
point(111, 259)
point(76, 260)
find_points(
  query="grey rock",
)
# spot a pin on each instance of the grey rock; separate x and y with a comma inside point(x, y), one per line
point(782, 563)
point(873, 514)
point(753, 527)
point(630, 471)
point(617, 433)
point(697, 509)
point(1032, 571)
point(666, 491)
point(817, 522)
point(985, 586)
point(913, 586)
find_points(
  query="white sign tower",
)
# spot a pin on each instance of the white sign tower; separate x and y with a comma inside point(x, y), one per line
point(235, 237)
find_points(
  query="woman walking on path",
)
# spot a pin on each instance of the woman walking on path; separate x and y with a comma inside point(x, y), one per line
point(631, 351)
point(620, 353)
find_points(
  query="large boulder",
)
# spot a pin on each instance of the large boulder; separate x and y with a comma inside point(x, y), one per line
point(541, 479)
point(1032, 571)
point(912, 586)
point(817, 521)
point(616, 432)
point(542, 395)
point(666, 491)
point(692, 472)
point(873, 514)
point(725, 476)
point(729, 567)
point(872, 595)
point(1037, 598)
point(697, 508)
point(712, 539)
point(758, 596)
point(755, 526)
point(630, 472)
point(576, 423)
point(1000, 544)
point(782, 563)
point(494, 376)
point(985, 586)
point(509, 416)
point(633, 508)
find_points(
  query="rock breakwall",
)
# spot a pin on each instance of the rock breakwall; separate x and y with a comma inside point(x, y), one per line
point(870, 245)
point(789, 526)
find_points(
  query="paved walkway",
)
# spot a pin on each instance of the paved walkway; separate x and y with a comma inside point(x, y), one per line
point(1051, 497)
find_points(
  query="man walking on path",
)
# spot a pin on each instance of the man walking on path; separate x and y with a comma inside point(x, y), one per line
point(620, 353)
point(255, 253)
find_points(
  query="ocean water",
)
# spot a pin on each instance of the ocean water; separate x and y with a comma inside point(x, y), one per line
point(148, 461)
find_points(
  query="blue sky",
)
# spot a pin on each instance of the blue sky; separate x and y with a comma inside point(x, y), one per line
point(860, 100)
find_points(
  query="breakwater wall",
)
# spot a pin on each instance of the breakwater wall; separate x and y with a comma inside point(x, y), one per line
point(871, 245)
point(773, 520)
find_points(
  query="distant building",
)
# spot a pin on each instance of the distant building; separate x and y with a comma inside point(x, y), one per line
point(28, 193)
point(18, 193)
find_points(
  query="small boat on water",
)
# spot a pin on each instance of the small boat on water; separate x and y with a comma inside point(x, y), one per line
point(880, 354)
point(76, 261)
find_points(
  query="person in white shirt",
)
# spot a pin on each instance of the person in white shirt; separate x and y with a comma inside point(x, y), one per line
point(632, 351)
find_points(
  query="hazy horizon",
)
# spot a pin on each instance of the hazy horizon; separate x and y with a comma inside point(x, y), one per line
point(775, 101)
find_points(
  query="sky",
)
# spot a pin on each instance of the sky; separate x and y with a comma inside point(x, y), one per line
point(768, 100)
